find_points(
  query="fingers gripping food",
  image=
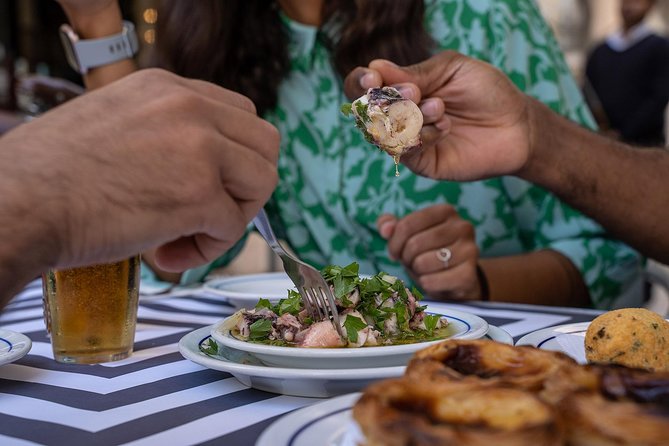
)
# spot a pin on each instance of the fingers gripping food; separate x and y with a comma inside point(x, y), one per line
point(387, 120)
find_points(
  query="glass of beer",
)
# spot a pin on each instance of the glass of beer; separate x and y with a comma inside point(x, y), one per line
point(91, 312)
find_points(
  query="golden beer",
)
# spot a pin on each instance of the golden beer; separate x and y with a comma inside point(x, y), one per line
point(91, 312)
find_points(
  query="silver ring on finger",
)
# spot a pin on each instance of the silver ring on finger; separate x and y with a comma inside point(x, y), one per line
point(444, 255)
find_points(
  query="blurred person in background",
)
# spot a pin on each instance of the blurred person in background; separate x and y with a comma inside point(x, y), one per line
point(508, 240)
point(629, 76)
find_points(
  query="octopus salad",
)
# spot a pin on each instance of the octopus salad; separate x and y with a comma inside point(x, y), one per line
point(373, 311)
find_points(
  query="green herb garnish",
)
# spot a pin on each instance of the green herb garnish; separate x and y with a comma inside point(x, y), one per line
point(259, 329)
point(353, 324)
point(209, 347)
point(346, 109)
point(292, 305)
point(431, 321)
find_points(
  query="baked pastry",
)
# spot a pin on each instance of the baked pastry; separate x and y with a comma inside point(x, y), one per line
point(630, 407)
point(487, 363)
point(401, 412)
point(634, 337)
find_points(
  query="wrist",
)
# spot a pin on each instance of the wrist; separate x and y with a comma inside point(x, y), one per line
point(540, 134)
point(102, 22)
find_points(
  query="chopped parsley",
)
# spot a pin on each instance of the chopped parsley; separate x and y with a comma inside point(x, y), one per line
point(209, 347)
point(260, 329)
point(353, 325)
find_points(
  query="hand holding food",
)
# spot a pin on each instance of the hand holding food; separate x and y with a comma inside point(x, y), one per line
point(485, 131)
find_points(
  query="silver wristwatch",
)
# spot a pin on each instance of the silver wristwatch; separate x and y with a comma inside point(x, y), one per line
point(82, 55)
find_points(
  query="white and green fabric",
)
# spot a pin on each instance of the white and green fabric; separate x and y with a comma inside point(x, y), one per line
point(334, 185)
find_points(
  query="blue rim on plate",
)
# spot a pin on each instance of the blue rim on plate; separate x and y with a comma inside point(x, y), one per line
point(13, 346)
point(465, 326)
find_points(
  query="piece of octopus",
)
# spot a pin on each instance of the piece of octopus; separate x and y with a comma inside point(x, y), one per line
point(248, 317)
point(367, 336)
point(319, 335)
point(288, 326)
point(351, 301)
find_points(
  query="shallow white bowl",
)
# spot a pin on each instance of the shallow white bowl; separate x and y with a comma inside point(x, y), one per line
point(465, 326)
point(244, 291)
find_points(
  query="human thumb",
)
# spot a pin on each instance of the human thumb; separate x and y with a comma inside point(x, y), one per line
point(429, 75)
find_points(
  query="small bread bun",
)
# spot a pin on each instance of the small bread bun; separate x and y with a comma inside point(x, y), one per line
point(634, 337)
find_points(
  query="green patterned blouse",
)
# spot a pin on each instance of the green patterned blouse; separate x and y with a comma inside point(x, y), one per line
point(333, 185)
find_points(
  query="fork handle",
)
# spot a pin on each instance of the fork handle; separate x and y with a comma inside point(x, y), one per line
point(261, 223)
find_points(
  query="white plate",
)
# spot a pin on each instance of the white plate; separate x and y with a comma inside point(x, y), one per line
point(13, 346)
point(327, 423)
point(298, 382)
point(499, 335)
point(244, 291)
point(465, 326)
point(568, 338)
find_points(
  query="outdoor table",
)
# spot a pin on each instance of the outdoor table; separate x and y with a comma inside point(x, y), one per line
point(156, 396)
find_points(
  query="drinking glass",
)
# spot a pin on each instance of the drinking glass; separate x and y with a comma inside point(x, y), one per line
point(91, 312)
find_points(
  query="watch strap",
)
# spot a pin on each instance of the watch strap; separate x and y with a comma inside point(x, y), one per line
point(91, 53)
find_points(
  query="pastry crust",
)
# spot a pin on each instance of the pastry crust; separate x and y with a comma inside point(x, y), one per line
point(463, 392)
point(551, 375)
point(400, 412)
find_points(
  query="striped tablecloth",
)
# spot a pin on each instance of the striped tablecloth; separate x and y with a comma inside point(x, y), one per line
point(156, 397)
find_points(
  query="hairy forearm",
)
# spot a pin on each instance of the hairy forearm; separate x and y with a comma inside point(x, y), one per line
point(624, 188)
point(542, 277)
point(27, 244)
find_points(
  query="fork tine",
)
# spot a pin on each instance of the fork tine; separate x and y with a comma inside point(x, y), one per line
point(308, 304)
point(328, 301)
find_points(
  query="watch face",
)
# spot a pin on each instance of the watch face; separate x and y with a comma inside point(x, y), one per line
point(68, 37)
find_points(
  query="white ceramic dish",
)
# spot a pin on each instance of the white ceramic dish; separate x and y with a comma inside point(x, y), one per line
point(299, 382)
point(464, 326)
point(568, 338)
point(325, 423)
point(244, 291)
point(13, 346)
point(499, 335)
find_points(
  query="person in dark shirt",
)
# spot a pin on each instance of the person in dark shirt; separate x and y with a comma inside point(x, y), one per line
point(629, 74)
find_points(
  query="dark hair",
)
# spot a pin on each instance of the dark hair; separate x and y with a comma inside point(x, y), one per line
point(242, 44)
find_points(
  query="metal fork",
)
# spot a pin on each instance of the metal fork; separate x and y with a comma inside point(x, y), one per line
point(316, 293)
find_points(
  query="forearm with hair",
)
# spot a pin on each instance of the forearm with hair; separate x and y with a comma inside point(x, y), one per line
point(28, 245)
point(542, 277)
point(623, 188)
